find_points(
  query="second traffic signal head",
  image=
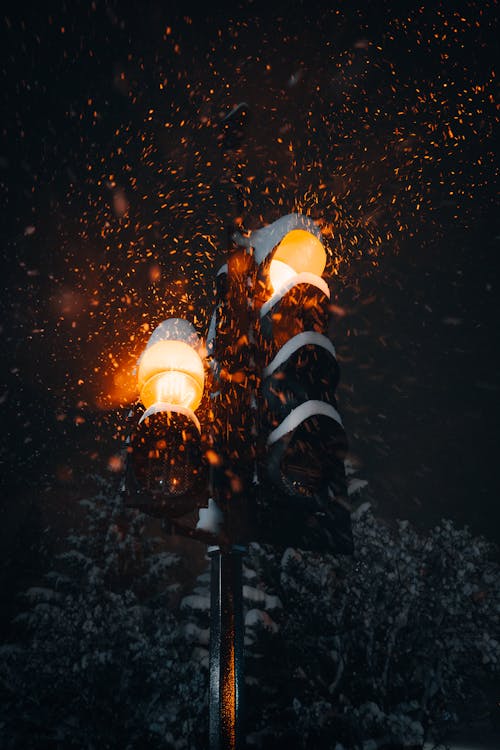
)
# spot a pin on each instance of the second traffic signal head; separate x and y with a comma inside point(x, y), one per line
point(305, 443)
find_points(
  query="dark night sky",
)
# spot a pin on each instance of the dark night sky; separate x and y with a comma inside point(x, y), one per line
point(378, 119)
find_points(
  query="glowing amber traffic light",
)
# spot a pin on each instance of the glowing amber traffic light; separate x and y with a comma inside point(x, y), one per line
point(166, 442)
point(298, 252)
point(303, 431)
point(171, 372)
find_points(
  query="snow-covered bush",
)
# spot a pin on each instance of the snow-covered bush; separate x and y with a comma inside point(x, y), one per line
point(103, 663)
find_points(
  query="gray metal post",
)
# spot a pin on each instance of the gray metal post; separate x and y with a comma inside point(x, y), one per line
point(226, 649)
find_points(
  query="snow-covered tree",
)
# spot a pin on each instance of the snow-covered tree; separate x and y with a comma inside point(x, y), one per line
point(378, 650)
point(103, 663)
point(383, 649)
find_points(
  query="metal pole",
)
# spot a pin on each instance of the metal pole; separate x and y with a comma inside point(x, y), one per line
point(226, 649)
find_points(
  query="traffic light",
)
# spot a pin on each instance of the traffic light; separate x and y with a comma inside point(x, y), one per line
point(165, 466)
point(302, 440)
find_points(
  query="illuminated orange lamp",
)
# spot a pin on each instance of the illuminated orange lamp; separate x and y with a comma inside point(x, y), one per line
point(299, 252)
point(171, 375)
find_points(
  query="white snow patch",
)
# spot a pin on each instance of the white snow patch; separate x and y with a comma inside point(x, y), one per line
point(356, 485)
point(175, 329)
point(222, 269)
point(265, 239)
point(298, 415)
point(301, 339)
point(210, 518)
point(196, 601)
point(290, 554)
point(248, 573)
point(260, 597)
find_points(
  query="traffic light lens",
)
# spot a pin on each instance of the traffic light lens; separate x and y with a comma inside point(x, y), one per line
point(302, 251)
point(301, 471)
point(171, 371)
point(306, 460)
point(172, 387)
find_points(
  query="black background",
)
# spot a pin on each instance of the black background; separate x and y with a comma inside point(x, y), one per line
point(380, 120)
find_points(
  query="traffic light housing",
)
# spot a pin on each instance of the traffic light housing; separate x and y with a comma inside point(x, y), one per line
point(302, 439)
point(166, 467)
point(270, 459)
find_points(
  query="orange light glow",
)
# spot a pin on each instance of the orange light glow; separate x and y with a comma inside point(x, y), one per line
point(299, 251)
point(279, 273)
point(171, 372)
point(172, 388)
